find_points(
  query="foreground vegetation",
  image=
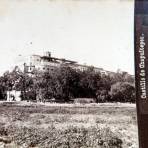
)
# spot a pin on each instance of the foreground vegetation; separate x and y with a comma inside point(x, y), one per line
point(68, 125)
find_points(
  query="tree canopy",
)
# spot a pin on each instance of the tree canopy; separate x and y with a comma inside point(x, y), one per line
point(66, 84)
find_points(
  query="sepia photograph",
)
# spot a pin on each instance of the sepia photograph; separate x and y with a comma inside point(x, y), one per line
point(67, 74)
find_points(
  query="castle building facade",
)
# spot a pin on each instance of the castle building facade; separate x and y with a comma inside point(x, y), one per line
point(47, 63)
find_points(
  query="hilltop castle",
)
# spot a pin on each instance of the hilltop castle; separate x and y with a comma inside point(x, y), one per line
point(46, 62)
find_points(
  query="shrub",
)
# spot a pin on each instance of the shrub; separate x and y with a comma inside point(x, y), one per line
point(84, 100)
point(122, 92)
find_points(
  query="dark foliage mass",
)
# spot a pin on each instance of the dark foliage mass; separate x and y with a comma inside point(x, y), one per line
point(65, 84)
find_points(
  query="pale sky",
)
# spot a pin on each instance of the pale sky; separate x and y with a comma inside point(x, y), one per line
point(95, 32)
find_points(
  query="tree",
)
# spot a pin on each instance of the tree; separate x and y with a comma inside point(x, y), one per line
point(123, 92)
point(2, 88)
point(89, 83)
point(66, 82)
point(104, 88)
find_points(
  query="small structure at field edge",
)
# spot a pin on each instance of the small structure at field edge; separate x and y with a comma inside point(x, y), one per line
point(13, 95)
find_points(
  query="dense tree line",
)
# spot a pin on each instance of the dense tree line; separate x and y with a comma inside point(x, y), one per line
point(65, 84)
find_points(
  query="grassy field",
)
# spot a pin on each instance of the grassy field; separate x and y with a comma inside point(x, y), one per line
point(25, 125)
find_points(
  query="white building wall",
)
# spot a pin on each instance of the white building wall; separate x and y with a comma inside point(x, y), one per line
point(13, 95)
